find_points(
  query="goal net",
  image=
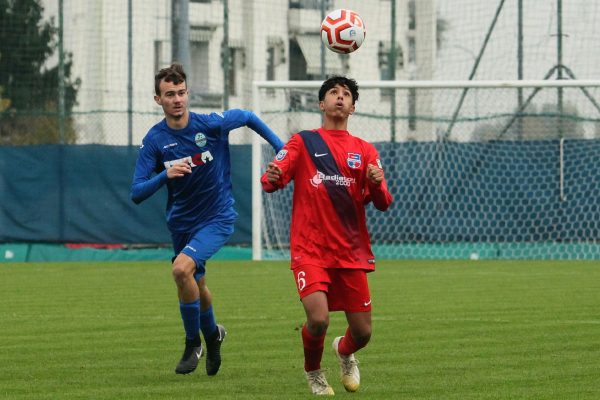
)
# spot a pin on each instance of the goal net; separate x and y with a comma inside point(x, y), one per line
point(477, 169)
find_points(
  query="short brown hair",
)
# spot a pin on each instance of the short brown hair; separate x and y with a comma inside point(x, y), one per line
point(348, 83)
point(174, 74)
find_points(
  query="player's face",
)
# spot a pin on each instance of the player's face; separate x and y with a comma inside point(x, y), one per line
point(173, 99)
point(337, 102)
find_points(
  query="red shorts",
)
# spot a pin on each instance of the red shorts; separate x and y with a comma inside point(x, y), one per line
point(346, 289)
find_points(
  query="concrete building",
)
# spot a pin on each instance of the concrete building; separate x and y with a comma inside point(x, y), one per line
point(268, 40)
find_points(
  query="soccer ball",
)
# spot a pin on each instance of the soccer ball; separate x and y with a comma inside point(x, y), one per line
point(343, 31)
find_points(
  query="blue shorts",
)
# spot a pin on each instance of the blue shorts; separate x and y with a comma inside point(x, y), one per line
point(202, 244)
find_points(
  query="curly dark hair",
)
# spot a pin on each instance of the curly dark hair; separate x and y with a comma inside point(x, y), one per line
point(174, 74)
point(339, 80)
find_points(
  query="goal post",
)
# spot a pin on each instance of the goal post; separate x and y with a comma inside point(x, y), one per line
point(477, 169)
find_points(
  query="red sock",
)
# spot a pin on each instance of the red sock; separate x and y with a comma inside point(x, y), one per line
point(347, 345)
point(313, 350)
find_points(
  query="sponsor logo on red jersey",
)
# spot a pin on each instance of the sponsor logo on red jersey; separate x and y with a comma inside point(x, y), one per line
point(336, 179)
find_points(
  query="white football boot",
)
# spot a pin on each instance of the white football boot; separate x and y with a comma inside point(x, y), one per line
point(349, 366)
point(318, 383)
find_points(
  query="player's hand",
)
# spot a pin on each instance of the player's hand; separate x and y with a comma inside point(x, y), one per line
point(179, 170)
point(374, 174)
point(273, 172)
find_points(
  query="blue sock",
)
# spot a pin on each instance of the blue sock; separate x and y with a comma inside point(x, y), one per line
point(190, 314)
point(208, 323)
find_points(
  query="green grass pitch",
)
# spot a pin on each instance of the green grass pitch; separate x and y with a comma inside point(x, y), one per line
point(441, 330)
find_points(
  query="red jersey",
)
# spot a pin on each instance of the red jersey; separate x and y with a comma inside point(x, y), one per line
point(331, 189)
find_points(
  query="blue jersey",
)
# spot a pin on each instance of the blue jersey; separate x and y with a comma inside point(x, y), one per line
point(204, 195)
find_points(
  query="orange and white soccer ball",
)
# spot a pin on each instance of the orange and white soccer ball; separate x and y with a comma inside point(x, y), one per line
point(343, 31)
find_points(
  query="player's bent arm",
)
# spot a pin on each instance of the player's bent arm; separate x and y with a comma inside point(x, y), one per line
point(380, 196)
point(142, 188)
point(377, 187)
point(268, 186)
point(281, 170)
point(271, 180)
point(378, 191)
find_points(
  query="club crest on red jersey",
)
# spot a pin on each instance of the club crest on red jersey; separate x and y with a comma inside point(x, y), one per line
point(354, 160)
point(281, 155)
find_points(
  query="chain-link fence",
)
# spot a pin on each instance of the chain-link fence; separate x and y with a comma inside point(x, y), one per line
point(82, 72)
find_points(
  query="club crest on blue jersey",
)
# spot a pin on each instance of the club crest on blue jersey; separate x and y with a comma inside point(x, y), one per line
point(200, 139)
point(281, 155)
point(354, 160)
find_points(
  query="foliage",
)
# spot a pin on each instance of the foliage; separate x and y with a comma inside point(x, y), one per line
point(31, 86)
point(4, 103)
point(34, 128)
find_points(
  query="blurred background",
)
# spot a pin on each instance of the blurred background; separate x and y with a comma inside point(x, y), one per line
point(474, 170)
point(88, 66)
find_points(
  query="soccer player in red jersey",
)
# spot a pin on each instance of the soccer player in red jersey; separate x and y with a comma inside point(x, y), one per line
point(335, 176)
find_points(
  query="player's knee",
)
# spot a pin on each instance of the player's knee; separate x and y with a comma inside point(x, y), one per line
point(180, 273)
point(318, 326)
point(362, 336)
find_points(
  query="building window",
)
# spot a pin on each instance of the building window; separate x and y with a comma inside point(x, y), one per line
point(297, 63)
point(158, 56)
point(200, 75)
point(412, 15)
point(275, 56)
point(271, 63)
point(200, 81)
point(384, 57)
point(305, 59)
point(310, 4)
point(412, 50)
point(233, 66)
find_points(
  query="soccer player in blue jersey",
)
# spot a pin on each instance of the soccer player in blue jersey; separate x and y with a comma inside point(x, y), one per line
point(189, 153)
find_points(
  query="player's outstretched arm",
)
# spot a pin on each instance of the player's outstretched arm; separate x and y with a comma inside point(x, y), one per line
point(258, 126)
point(236, 118)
